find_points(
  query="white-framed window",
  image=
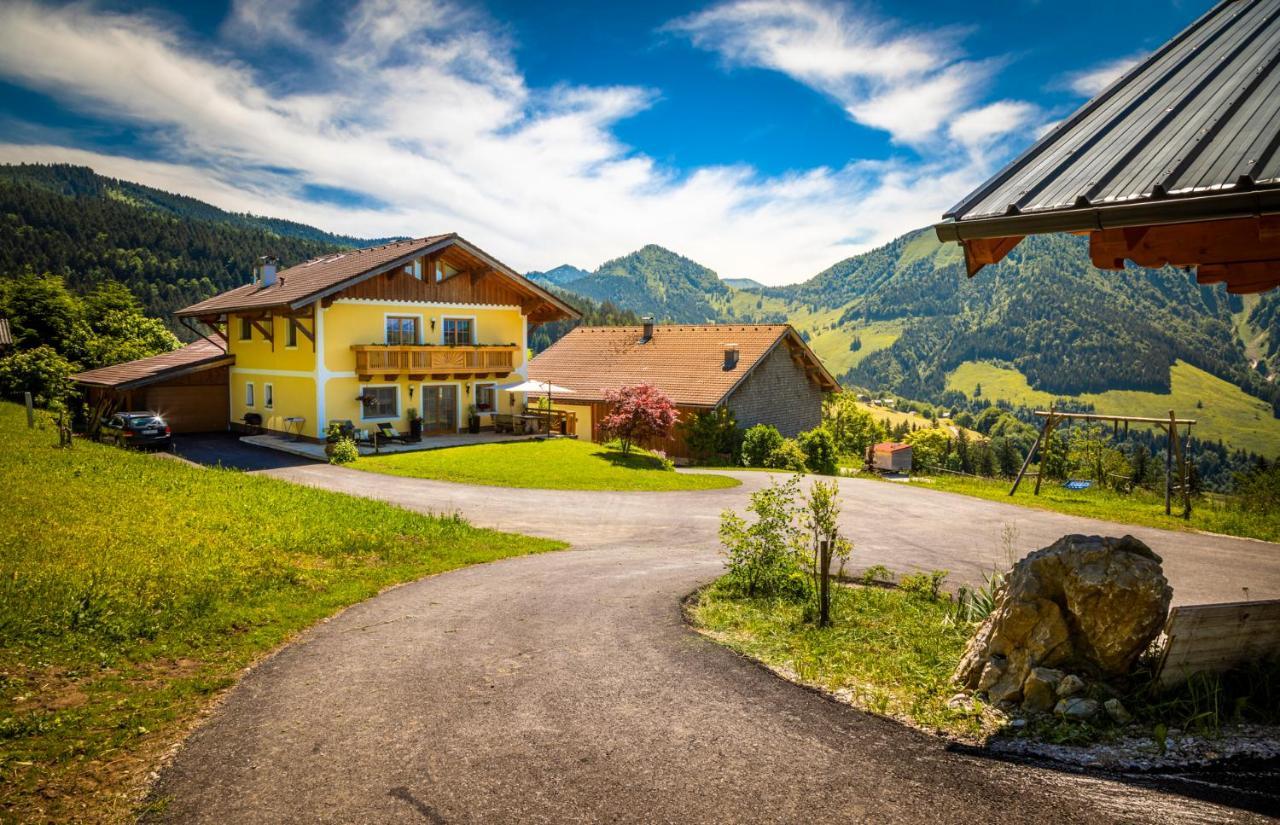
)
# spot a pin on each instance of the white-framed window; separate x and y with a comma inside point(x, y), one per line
point(486, 398)
point(402, 329)
point(268, 396)
point(248, 394)
point(379, 402)
point(458, 332)
point(246, 329)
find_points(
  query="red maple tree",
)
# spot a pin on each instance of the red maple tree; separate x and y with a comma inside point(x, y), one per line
point(637, 413)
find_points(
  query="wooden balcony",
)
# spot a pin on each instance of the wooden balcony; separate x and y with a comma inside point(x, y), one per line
point(390, 362)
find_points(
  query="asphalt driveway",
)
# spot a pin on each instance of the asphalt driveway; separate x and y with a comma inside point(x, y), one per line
point(566, 688)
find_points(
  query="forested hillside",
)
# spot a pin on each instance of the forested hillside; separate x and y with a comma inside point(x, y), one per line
point(656, 281)
point(169, 250)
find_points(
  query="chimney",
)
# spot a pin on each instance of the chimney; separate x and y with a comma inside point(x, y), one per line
point(648, 329)
point(268, 269)
point(730, 356)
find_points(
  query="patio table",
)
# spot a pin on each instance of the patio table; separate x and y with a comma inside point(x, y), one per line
point(296, 422)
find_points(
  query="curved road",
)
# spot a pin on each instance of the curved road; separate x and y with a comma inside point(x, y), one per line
point(565, 687)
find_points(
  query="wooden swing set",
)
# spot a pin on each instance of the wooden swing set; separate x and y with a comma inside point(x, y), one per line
point(1177, 463)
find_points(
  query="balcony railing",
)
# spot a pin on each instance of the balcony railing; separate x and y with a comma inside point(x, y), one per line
point(421, 361)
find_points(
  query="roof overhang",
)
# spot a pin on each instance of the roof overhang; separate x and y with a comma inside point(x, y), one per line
point(86, 379)
point(449, 240)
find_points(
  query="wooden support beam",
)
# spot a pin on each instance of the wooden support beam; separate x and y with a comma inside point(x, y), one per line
point(981, 252)
point(1030, 453)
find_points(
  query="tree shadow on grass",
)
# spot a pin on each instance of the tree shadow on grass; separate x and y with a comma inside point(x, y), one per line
point(630, 461)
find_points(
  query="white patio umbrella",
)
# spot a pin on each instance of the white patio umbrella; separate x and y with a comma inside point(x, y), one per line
point(540, 388)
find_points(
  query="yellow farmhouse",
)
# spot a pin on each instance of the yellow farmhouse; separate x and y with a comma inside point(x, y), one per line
point(431, 327)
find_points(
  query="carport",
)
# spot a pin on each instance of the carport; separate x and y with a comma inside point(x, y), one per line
point(188, 387)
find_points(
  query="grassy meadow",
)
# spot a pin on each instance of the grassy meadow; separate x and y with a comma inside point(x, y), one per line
point(134, 588)
point(1144, 507)
point(887, 651)
point(552, 464)
point(1221, 409)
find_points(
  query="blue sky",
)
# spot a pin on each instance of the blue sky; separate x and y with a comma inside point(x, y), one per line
point(764, 138)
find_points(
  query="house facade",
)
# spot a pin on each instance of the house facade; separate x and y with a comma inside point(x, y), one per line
point(430, 327)
point(763, 373)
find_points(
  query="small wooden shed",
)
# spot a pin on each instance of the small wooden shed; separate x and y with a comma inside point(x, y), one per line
point(891, 456)
point(188, 386)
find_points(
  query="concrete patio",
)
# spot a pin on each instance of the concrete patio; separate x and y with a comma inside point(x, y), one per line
point(315, 451)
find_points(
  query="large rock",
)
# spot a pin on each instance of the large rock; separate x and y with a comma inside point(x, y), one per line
point(1085, 604)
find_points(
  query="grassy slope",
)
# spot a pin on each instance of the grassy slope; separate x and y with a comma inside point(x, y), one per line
point(133, 589)
point(1140, 507)
point(888, 651)
point(1227, 412)
point(555, 464)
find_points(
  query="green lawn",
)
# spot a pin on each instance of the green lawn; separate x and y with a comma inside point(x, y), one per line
point(133, 589)
point(1221, 409)
point(1140, 507)
point(552, 464)
point(888, 651)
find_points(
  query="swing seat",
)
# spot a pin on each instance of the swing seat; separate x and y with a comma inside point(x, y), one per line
point(1077, 484)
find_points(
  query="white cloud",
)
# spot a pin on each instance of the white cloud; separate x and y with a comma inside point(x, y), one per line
point(978, 127)
point(451, 138)
point(909, 84)
point(1091, 81)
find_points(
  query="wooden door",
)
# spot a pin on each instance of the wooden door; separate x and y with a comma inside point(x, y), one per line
point(440, 409)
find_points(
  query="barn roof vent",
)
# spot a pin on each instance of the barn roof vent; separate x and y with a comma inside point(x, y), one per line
point(647, 334)
point(730, 356)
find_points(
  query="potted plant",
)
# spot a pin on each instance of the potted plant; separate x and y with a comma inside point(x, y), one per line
point(473, 419)
point(415, 425)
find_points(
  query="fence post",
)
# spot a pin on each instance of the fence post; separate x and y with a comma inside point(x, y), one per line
point(31, 413)
point(824, 583)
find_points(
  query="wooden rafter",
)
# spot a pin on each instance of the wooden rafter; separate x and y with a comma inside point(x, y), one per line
point(1243, 253)
point(981, 252)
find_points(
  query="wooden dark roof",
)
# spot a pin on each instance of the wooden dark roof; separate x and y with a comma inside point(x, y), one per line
point(300, 285)
point(203, 354)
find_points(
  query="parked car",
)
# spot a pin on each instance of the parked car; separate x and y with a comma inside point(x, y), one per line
point(136, 429)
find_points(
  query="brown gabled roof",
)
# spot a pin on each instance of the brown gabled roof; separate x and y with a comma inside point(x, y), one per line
point(686, 361)
point(891, 447)
point(203, 354)
point(300, 285)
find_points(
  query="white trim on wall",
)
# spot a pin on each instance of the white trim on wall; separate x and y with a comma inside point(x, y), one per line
point(523, 369)
point(424, 304)
point(273, 373)
point(322, 374)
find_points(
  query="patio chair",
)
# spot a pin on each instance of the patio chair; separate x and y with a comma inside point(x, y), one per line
point(390, 433)
point(345, 427)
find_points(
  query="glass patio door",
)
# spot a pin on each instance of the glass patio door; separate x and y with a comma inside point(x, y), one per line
point(440, 409)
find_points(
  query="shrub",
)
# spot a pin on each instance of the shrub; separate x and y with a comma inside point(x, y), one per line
point(819, 451)
point(924, 584)
point(41, 371)
point(767, 556)
point(713, 433)
point(758, 443)
point(876, 573)
point(638, 413)
point(343, 451)
point(787, 456)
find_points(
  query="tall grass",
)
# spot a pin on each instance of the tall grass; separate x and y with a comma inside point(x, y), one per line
point(1143, 507)
point(133, 588)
